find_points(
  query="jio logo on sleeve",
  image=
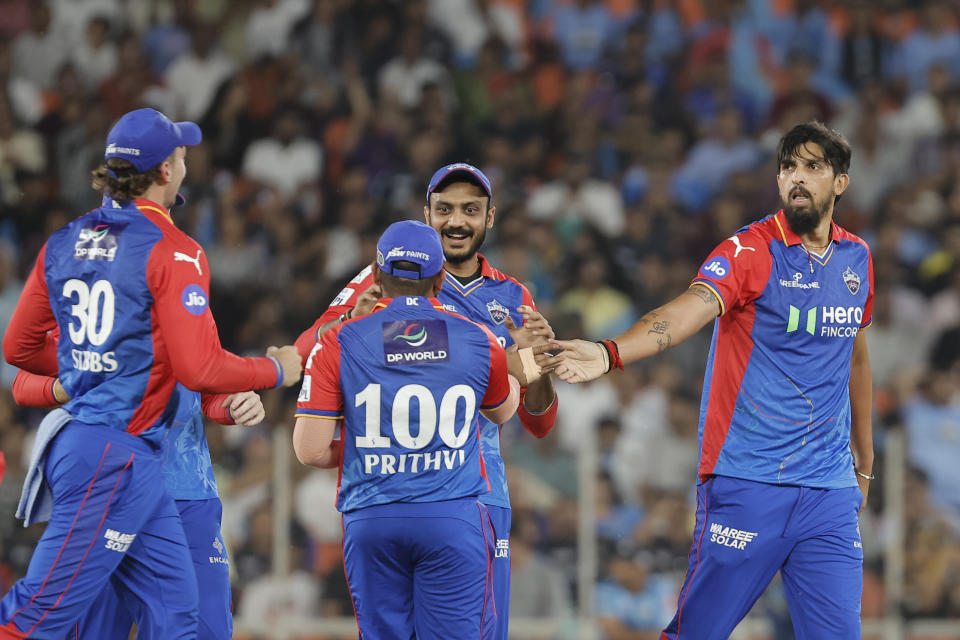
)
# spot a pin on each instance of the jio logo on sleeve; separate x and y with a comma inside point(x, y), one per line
point(717, 268)
point(194, 299)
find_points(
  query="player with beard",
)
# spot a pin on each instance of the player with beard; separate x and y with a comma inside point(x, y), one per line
point(786, 447)
point(459, 206)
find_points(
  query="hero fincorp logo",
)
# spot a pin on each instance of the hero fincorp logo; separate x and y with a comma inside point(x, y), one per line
point(97, 241)
point(716, 268)
point(415, 342)
point(834, 322)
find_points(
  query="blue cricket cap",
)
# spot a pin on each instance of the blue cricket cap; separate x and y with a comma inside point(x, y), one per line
point(467, 172)
point(146, 137)
point(410, 241)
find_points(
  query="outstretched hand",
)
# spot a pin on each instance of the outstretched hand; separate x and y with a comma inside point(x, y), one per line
point(534, 330)
point(522, 363)
point(577, 360)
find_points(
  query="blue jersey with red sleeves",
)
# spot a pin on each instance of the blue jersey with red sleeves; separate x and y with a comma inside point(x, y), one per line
point(489, 300)
point(128, 292)
point(776, 402)
point(408, 380)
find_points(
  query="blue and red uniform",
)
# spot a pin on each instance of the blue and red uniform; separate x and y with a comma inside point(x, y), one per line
point(778, 491)
point(489, 300)
point(128, 293)
point(409, 381)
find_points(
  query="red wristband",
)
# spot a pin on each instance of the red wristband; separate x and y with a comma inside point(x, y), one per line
point(614, 352)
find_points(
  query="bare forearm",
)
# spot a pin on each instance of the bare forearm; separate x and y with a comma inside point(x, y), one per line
point(668, 325)
point(539, 395)
point(861, 421)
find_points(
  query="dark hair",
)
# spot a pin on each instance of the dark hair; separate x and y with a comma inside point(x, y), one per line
point(400, 286)
point(126, 183)
point(836, 149)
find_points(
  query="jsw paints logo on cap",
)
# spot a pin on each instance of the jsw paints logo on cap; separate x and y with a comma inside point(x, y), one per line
point(194, 299)
point(112, 148)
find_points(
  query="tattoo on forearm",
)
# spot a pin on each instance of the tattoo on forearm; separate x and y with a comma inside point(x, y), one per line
point(659, 326)
point(664, 343)
point(704, 294)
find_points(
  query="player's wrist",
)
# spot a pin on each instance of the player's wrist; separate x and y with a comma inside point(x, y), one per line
point(611, 353)
point(279, 367)
point(865, 476)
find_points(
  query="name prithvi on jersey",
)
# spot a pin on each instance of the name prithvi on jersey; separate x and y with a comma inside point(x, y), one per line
point(389, 464)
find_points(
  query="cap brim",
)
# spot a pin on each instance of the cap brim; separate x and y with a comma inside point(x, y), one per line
point(469, 176)
point(189, 133)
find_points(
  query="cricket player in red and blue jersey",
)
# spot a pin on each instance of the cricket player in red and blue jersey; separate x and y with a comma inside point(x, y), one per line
point(128, 292)
point(786, 447)
point(409, 381)
point(460, 207)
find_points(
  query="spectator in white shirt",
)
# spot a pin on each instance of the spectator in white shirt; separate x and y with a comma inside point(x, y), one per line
point(196, 76)
point(287, 159)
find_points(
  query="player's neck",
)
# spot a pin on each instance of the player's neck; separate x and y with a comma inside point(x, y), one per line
point(819, 239)
point(463, 269)
point(155, 193)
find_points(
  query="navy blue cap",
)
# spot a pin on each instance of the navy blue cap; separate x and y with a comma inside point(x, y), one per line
point(410, 241)
point(146, 137)
point(469, 173)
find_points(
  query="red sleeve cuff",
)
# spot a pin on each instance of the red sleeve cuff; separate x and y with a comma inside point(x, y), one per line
point(538, 424)
point(213, 409)
point(31, 390)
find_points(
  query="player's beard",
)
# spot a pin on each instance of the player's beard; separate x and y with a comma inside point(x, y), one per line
point(804, 219)
point(460, 256)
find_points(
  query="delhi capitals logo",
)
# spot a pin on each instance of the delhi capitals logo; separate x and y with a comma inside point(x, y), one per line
point(852, 279)
point(414, 335)
point(498, 312)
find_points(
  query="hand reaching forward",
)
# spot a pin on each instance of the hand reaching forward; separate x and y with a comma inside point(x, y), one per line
point(522, 363)
point(578, 360)
point(245, 408)
point(534, 330)
point(290, 363)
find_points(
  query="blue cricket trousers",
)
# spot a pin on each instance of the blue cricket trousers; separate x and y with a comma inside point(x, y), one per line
point(112, 517)
point(747, 531)
point(420, 570)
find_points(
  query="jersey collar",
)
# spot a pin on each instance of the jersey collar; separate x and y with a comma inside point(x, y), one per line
point(383, 303)
point(790, 238)
point(149, 205)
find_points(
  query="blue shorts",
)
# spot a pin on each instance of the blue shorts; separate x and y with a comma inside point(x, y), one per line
point(747, 531)
point(500, 518)
point(419, 569)
point(109, 617)
point(112, 519)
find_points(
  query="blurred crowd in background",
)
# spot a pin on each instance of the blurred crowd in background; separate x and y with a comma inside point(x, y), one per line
point(624, 139)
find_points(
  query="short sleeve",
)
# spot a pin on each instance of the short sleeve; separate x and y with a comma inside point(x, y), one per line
point(736, 271)
point(320, 395)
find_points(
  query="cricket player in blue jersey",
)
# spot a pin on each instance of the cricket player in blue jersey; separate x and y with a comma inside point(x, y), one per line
point(460, 207)
point(128, 293)
point(786, 445)
point(409, 381)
